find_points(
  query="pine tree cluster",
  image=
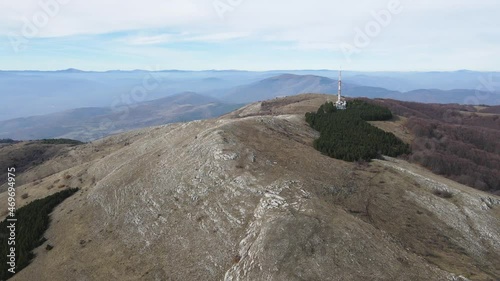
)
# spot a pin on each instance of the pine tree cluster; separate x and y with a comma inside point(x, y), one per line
point(32, 222)
point(346, 134)
point(61, 141)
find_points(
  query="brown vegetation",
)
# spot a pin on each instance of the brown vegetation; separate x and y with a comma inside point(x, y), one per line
point(27, 155)
point(456, 141)
point(491, 109)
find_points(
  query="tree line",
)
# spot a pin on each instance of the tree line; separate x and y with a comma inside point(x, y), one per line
point(61, 141)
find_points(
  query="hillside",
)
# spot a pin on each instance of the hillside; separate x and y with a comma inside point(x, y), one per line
point(27, 156)
point(492, 109)
point(457, 141)
point(247, 197)
point(93, 123)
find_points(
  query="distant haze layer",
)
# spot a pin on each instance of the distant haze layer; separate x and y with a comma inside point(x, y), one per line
point(29, 93)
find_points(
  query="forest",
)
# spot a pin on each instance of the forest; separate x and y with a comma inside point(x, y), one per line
point(459, 142)
point(32, 222)
point(346, 134)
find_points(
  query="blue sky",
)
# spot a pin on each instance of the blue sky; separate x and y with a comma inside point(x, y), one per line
point(252, 35)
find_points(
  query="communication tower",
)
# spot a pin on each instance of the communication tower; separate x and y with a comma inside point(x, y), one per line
point(341, 103)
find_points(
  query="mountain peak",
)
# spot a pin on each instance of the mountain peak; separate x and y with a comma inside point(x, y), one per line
point(70, 70)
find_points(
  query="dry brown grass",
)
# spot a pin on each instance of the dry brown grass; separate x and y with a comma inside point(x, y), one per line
point(395, 126)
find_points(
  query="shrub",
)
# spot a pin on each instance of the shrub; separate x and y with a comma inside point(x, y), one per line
point(442, 193)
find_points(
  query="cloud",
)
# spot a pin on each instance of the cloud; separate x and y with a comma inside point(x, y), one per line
point(184, 37)
point(308, 23)
point(293, 25)
point(100, 17)
point(150, 40)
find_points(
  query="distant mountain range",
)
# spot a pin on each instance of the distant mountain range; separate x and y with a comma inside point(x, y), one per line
point(291, 84)
point(55, 91)
point(96, 122)
point(282, 85)
point(83, 122)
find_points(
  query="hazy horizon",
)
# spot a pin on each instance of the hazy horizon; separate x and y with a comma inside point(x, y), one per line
point(244, 70)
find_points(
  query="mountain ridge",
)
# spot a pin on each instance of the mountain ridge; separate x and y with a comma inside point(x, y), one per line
point(246, 197)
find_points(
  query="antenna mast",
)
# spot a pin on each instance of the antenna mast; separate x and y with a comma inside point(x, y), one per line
point(341, 103)
point(340, 84)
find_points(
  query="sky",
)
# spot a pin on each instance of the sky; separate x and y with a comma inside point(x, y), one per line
point(364, 35)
